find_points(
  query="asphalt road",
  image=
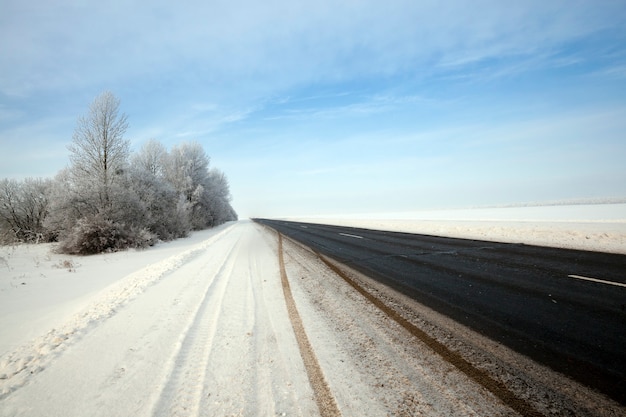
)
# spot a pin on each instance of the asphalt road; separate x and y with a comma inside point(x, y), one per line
point(563, 308)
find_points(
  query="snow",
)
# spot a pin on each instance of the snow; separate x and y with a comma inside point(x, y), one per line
point(196, 328)
point(43, 289)
point(200, 326)
point(593, 227)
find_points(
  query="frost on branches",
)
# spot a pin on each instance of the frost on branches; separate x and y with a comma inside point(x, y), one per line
point(109, 199)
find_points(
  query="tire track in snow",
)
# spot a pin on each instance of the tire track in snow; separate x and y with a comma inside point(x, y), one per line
point(237, 353)
point(228, 382)
point(278, 382)
point(19, 366)
point(248, 372)
point(262, 378)
point(182, 394)
point(497, 388)
point(375, 369)
point(323, 396)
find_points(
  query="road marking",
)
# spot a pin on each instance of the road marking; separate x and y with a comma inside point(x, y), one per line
point(349, 235)
point(601, 281)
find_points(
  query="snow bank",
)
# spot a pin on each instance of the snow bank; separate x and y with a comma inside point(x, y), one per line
point(63, 295)
point(599, 227)
point(201, 332)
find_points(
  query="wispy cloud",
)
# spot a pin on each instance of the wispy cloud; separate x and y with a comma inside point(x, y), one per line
point(61, 45)
point(616, 71)
point(349, 107)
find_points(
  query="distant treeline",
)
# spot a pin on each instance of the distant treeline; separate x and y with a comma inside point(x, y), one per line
point(110, 199)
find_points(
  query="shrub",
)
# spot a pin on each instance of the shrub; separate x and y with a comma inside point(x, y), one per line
point(66, 264)
point(96, 234)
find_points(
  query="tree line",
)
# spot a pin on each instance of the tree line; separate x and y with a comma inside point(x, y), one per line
point(109, 198)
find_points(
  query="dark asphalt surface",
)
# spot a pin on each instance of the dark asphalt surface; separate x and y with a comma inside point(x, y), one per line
point(518, 295)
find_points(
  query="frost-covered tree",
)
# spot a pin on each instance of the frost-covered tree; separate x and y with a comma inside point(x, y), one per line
point(94, 208)
point(187, 166)
point(205, 191)
point(166, 210)
point(187, 170)
point(151, 158)
point(218, 195)
point(99, 152)
point(108, 199)
point(24, 206)
point(80, 225)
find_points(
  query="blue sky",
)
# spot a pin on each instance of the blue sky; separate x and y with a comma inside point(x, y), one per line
point(334, 107)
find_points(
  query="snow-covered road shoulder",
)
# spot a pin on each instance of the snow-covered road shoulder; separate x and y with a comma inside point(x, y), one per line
point(31, 357)
point(202, 331)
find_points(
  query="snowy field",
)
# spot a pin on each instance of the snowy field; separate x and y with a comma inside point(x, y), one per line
point(593, 227)
point(200, 326)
